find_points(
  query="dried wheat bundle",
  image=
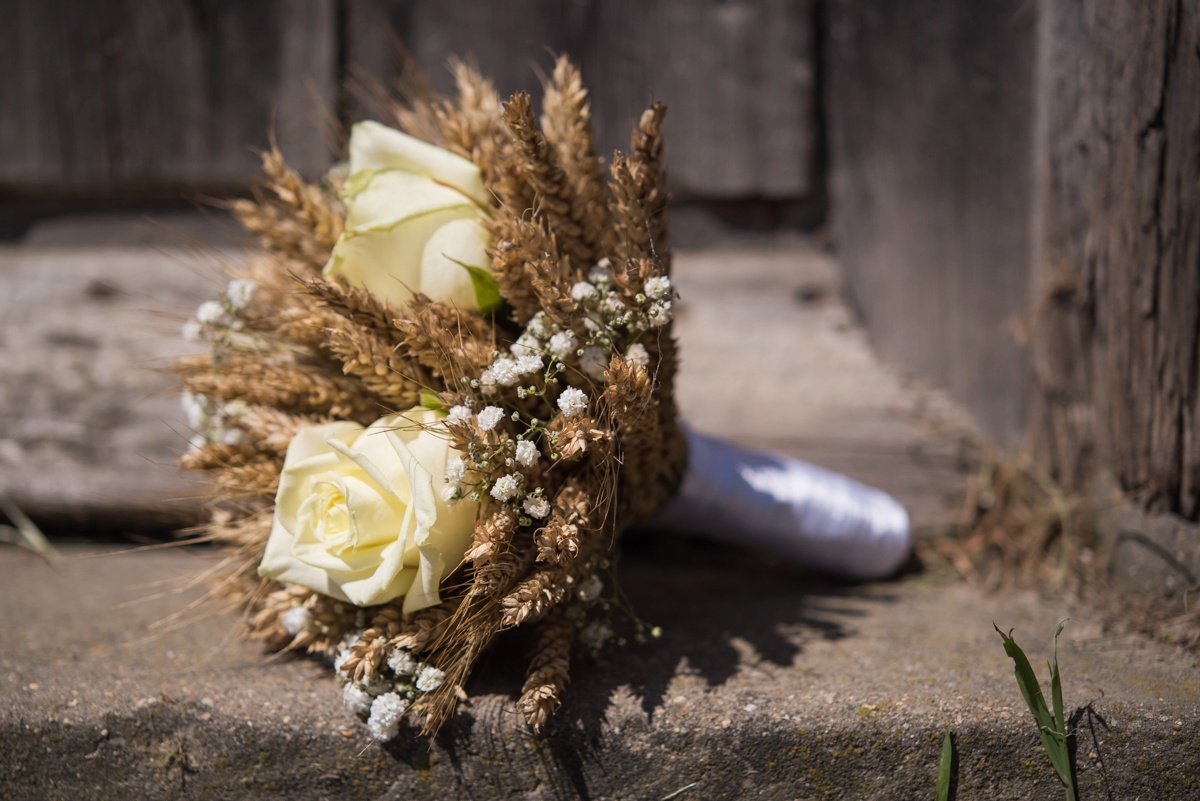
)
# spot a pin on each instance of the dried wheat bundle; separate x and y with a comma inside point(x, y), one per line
point(439, 394)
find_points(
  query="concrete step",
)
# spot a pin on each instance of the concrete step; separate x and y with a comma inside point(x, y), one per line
point(767, 682)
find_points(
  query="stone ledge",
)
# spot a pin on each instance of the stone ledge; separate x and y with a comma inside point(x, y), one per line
point(767, 681)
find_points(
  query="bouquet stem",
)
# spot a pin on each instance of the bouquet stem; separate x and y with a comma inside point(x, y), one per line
point(796, 510)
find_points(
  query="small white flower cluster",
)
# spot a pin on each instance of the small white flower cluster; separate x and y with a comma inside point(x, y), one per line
point(637, 354)
point(489, 417)
point(594, 361)
point(563, 344)
point(429, 678)
point(210, 421)
point(507, 371)
point(589, 590)
point(527, 453)
point(572, 401)
point(488, 468)
point(385, 714)
point(658, 287)
point(607, 321)
point(215, 321)
point(459, 473)
point(296, 620)
point(509, 490)
point(536, 506)
point(505, 487)
point(509, 487)
point(221, 313)
point(658, 291)
point(594, 636)
point(388, 696)
point(494, 464)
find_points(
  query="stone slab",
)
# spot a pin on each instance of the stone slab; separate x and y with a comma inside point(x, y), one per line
point(766, 683)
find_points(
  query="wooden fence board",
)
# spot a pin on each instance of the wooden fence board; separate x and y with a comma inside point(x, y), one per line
point(1118, 248)
point(738, 77)
point(930, 125)
point(145, 96)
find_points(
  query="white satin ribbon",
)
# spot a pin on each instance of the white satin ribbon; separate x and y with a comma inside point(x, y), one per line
point(801, 512)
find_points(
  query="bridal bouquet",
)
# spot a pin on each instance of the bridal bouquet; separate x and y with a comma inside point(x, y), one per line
point(442, 391)
point(435, 399)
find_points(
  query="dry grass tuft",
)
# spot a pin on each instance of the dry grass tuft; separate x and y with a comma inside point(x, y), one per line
point(1020, 528)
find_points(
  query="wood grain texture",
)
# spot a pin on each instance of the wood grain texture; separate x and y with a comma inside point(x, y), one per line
point(738, 75)
point(144, 96)
point(930, 123)
point(1118, 247)
point(90, 424)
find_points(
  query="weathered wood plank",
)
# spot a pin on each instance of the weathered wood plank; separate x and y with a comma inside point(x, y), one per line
point(90, 425)
point(739, 77)
point(1118, 247)
point(930, 125)
point(89, 428)
point(142, 96)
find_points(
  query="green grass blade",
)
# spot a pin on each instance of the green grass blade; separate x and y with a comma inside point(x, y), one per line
point(1027, 682)
point(1055, 745)
point(1056, 683)
point(1052, 726)
point(945, 768)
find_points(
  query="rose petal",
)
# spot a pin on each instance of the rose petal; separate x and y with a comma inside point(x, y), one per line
point(381, 200)
point(280, 563)
point(424, 591)
point(374, 146)
point(443, 275)
point(388, 264)
point(357, 517)
point(420, 481)
point(309, 454)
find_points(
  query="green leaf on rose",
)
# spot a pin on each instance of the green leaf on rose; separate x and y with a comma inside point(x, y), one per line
point(487, 290)
point(430, 400)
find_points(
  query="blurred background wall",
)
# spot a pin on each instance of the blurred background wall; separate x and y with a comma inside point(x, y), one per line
point(1009, 185)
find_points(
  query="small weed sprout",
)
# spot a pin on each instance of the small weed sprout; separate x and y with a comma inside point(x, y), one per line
point(1052, 725)
point(945, 768)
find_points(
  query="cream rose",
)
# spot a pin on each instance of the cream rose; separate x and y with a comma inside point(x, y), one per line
point(413, 222)
point(358, 517)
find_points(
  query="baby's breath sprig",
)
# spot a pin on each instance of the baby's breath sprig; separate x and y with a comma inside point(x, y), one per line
point(384, 696)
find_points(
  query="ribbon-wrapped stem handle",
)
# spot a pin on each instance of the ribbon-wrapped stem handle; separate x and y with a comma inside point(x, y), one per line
point(796, 510)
